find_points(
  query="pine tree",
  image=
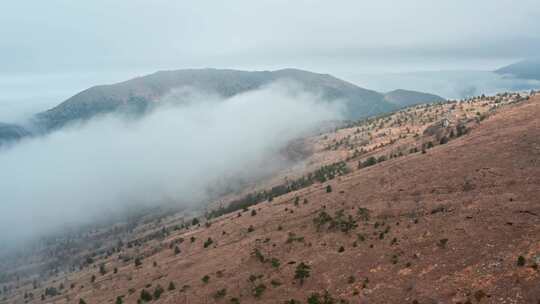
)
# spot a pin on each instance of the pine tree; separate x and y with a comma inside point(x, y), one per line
point(302, 272)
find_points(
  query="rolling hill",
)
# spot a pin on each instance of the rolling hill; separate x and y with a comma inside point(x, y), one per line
point(526, 69)
point(139, 94)
point(406, 98)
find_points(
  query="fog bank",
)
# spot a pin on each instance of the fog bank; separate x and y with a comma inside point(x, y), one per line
point(173, 155)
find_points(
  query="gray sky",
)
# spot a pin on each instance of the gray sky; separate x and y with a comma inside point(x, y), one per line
point(328, 36)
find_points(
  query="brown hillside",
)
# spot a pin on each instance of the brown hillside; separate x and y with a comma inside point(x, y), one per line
point(445, 226)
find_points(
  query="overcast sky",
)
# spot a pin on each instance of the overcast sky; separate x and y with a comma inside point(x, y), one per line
point(330, 36)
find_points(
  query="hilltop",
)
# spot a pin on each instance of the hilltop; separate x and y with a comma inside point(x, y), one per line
point(140, 94)
point(526, 69)
point(406, 98)
point(431, 203)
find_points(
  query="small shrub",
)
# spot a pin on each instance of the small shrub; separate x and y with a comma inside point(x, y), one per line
point(205, 279)
point(479, 295)
point(258, 255)
point(521, 261)
point(208, 242)
point(158, 291)
point(442, 243)
point(259, 290)
point(302, 272)
point(220, 294)
point(102, 269)
point(368, 162)
point(145, 296)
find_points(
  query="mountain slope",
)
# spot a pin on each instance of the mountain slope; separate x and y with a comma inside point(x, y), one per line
point(139, 94)
point(406, 98)
point(457, 223)
point(527, 69)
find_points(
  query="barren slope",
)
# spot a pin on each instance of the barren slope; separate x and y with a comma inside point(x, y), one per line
point(445, 226)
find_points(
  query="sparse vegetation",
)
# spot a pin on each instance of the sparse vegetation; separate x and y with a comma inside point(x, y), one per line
point(145, 296)
point(208, 242)
point(158, 291)
point(220, 294)
point(520, 261)
point(258, 290)
point(302, 272)
point(205, 279)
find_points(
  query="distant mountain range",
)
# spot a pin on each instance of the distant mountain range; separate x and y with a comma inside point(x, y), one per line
point(526, 69)
point(137, 95)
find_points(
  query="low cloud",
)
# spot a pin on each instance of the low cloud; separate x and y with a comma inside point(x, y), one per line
point(173, 155)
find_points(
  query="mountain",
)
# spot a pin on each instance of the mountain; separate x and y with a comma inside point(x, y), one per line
point(405, 98)
point(527, 69)
point(10, 133)
point(431, 204)
point(139, 94)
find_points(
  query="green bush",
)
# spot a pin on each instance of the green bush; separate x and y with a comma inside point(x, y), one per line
point(145, 296)
point(369, 162)
point(208, 242)
point(220, 294)
point(259, 290)
point(521, 261)
point(205, 279)
point(302, 272)
point(158, 291)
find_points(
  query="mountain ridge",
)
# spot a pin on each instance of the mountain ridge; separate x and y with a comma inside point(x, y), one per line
point(140, 92)
point(405, 98)
point(526, 69)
